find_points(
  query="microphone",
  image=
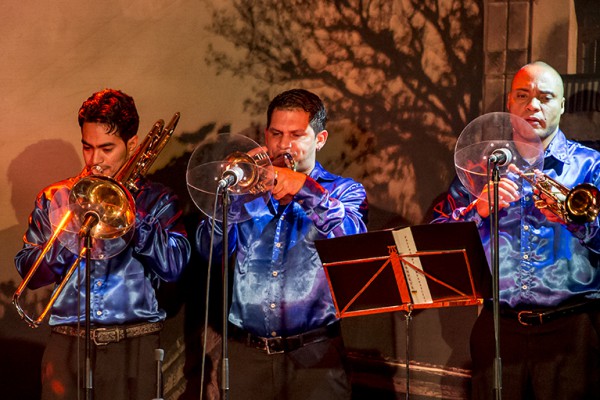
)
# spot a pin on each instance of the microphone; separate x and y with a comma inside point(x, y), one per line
point(501, 157)
point(231, 177)
point(90, 219)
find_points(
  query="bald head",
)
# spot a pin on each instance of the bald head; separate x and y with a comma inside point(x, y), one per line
point(537, 95)
point(541, 69)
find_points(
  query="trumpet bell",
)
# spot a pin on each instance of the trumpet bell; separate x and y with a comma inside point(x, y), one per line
point(582, 203)
point(252, 177)
point(216, 155)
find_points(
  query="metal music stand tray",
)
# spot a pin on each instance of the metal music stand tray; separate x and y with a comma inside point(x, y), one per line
point(417, 267)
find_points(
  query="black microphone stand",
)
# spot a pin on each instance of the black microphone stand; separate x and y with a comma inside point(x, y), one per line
point(496, 285)
point(89, 386)
point(91, 218)
point(225, 355)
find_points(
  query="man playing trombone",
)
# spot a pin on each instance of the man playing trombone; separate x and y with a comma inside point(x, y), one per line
point(124, 316)
point(549, 270)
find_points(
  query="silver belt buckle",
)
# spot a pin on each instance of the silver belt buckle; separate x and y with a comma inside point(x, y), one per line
point(95, 336)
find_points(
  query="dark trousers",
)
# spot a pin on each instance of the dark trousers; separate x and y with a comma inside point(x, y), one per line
point(555, 360)
point(124, 370)
point(313, 372)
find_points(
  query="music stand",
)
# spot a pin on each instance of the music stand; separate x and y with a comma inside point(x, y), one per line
point(422, 266)
point(417, 267)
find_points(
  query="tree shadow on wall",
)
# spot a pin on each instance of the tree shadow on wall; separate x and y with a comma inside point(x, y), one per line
point(407, 73)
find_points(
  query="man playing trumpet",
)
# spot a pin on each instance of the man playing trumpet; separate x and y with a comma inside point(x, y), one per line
point(124, 314)
point(549, 267)
point(285, 339)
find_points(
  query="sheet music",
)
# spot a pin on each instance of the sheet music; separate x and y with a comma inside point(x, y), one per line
point(417, 283)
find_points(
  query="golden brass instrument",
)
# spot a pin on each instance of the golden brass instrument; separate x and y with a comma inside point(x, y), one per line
point(109, 200)
point(285, 160)
point(249, 167)
point(578, 205)
point(252, 170)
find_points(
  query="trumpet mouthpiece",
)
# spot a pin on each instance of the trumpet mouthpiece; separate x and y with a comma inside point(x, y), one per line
point(285, 160)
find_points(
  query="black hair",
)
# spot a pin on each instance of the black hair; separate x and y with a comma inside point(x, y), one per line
point(300, 99)
point(114, 108)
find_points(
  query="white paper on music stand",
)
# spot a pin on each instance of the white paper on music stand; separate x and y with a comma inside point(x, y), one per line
point(417, 282)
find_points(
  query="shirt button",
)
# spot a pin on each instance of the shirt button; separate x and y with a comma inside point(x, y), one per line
point(524, 287)
point(273, 306)
point(275, 273)
point(526, 198)
point(273, 333)
point(526, 228)
point(278, 245)
point(98, 312)
point(525, 256)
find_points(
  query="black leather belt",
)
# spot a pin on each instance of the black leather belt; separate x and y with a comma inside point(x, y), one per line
point(113, 334)
point(279, 344)
point(543, 316)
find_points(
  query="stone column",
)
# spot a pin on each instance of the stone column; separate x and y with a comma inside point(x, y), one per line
point(507, 47)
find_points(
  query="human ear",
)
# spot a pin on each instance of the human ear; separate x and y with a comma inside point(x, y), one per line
point(132, 144)
point(321, 139)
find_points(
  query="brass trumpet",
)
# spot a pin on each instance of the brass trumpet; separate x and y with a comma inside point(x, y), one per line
point(111, 203)
point(578, 205)
point(252, 170)
point(285, 160)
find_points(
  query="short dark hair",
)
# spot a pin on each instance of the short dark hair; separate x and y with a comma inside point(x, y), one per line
point(300, 99)
point(114, 108)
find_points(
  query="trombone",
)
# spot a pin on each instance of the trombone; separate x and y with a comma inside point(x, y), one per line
point(34, 323)
point(109, 201)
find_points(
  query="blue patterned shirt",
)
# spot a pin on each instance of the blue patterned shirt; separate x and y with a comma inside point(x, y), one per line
point(279, 284)
point(542, 264)
point(122, 287)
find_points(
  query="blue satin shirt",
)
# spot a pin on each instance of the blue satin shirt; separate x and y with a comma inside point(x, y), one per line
point(279, 284)
point(122, 287)
point(542, 264)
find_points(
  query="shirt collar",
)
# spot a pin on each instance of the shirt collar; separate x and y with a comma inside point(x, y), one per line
point(321, 174)
point(558, 148)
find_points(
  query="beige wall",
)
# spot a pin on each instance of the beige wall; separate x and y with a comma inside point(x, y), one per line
point(521, 31)
point(55, 54)
point(552, 34)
